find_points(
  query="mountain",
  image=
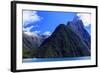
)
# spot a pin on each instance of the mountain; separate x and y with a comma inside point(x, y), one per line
point(31, 41)
point(64, 42)
point(71, 40)
point(77, 26)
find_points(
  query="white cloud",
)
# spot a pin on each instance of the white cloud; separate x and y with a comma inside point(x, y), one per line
point(31, 34)
point(47, 33)
point(28, 28)
point(85, 17)
point(30, 17)
point(37, 32)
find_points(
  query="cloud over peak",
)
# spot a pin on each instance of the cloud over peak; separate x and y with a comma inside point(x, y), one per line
point(47, 33)
point(85, 17)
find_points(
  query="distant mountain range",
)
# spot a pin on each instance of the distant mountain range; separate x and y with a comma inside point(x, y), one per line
point(31, 41)
point(71, 40)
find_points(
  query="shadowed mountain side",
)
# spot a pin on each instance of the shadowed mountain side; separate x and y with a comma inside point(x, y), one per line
point(78, 27)
point(31, 41)
point(62, 43)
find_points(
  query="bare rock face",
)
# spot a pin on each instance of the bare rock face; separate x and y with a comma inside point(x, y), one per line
point(64, 42)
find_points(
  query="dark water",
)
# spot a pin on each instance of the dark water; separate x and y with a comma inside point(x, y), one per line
point(54, 59)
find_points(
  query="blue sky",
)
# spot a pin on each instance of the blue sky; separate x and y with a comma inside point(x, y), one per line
point(45, 22)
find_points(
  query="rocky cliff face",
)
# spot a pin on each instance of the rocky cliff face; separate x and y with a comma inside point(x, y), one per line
point(64, 42)
point(78, 27)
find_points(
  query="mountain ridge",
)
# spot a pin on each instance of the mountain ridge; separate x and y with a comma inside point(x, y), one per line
point(55, 46)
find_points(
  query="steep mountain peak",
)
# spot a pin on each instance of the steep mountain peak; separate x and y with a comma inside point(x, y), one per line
point(63, 42)
point(60, 27)
point(78, 27)
point(76, 18)
point(77, 22)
